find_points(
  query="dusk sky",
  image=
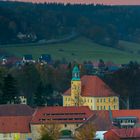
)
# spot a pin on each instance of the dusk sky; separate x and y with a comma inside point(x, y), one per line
point(112, 2)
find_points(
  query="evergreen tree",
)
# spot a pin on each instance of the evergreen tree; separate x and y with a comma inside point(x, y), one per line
point(10, 91)
point(39, 97)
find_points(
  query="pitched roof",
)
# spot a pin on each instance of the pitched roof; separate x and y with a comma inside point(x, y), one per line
point(126, 133)
point(100, 119)
point(126, 113)
point(61, 114)
point(93, 86)
point(15, 124)
point(16, 110)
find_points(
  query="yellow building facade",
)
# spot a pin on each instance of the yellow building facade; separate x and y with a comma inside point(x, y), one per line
point(90, 91)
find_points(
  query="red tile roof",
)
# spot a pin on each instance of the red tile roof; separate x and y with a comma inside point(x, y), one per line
point(61, 114)
point(126, 113)
point(16, 110)
point(126, 133)
point(93, 86)
point(101, 120)
point(15, 124)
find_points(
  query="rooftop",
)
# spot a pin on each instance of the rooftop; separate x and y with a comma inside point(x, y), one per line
point(16, 110)
point(61, 114)
point(15, 124)
point(93, 86)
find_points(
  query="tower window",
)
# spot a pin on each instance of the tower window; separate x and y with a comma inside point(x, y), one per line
point(65, 125)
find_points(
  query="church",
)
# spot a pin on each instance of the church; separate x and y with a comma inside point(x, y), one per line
point(90, 91)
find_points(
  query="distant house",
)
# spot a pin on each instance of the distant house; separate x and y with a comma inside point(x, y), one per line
point(45, 59)
point(23, 100)
point(28, 59)
point(15, 122)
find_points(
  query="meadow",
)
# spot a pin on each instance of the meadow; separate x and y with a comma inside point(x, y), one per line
point(80, 49)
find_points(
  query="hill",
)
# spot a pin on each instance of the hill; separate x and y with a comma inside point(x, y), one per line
point(79, 49)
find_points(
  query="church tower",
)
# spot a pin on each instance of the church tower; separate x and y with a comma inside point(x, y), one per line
point(76, 87)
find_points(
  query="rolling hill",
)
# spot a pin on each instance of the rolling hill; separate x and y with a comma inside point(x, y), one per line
point(79, 49)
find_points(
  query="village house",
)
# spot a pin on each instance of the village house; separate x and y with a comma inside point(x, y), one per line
point(67, 118)
point(28, 59)
point(21, 122)
point(45, 59)
point(15, 122)
point(90, 91)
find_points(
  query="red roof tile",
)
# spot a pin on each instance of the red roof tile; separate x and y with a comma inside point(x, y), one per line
point(16, 110)
point(61, 114)
point(100, 119)
point(93, 86)
point(15, 124)
point(126, 113)
point(126, 133)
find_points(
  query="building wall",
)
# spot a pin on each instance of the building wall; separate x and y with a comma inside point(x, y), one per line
point(95, 103)
point(15, 136)
point(106, 103)
point(35, 129)
point(75, 92)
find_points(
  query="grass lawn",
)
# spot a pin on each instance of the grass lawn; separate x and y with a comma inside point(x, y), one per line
point(79, 49)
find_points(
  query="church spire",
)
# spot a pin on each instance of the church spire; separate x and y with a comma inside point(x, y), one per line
point(75, 74)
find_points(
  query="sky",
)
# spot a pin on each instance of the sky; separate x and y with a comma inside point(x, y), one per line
point(108, 2)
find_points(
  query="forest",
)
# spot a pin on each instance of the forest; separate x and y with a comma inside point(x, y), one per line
point(106, 25)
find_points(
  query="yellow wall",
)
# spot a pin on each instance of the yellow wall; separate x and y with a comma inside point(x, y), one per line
point(15, 136)
point(75, 92)
point(96, 103)
point(106, 103)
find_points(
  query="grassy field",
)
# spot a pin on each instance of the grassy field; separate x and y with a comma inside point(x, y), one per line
point(79, 49)
point(130, 47)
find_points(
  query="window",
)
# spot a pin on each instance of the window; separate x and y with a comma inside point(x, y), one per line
point(91, 100)
point(104, 108)
point(108, 99)
point(114, 107)
point(65, 125)
point(101, 107)
point(104, 99)
point(98, 100)
point(101, 100)
point(66, 99)
point(114, 99)
point(109, 107)
point(97, 107)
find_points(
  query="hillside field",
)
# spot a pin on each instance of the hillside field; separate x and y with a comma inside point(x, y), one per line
point(80, 49)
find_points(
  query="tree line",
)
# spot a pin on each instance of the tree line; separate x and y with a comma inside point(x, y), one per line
point(45, 84)
point(103, 24)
